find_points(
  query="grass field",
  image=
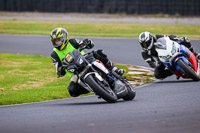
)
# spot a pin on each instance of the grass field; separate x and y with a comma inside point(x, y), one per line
point(25, 78)
point(96, 29)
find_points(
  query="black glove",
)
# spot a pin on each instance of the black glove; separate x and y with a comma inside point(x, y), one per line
point(181, 40)
point(154, 64)
point(88, 43)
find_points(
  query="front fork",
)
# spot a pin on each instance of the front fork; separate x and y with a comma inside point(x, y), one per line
point(184, 50)
point(182, 58)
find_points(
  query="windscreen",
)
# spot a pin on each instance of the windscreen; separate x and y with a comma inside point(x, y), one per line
point(161, 43)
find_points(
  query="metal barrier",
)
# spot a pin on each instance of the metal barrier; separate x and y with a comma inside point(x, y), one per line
point(182, 7)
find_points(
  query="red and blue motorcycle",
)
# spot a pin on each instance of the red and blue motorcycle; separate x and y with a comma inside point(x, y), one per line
point(178, 58)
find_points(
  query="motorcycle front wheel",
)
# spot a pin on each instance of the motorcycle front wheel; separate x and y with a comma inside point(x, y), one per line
point(99, 89)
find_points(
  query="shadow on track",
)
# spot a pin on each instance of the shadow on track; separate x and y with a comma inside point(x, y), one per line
point(91, 103)
point(87, 103)
point(174, 81)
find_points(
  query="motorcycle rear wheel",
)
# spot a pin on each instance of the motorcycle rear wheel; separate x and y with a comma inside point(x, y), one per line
point(131, 93)
point(98, 89)
point(188, 70)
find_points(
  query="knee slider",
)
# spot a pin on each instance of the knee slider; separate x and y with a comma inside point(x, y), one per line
point(72, 89)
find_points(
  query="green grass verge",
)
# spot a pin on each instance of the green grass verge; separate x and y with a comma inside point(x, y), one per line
point(96, 29)
point(25, 78)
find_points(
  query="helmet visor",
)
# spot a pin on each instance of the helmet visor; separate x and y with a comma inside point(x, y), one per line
point(145, 44)
point(58, 41)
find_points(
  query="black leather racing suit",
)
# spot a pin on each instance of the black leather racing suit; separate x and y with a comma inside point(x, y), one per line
point(74, 88)
point(151, 56)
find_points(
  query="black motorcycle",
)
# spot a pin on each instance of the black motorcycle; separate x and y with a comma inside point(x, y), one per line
point(95, 77)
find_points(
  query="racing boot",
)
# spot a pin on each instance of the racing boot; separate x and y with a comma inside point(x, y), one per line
point(118, 70)
point(99, 54)
point(197, 57)
point(113, 68)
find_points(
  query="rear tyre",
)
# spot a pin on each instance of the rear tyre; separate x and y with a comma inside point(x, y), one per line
point(131, 93)
point(99, 89)
point(188, 70)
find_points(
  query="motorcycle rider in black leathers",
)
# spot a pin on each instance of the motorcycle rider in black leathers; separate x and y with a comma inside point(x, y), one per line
point(149, 54)
point(63, 45)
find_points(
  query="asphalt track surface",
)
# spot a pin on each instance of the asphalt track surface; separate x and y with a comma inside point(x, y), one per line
point(167, 106)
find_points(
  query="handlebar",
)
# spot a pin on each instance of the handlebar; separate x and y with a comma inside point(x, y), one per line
point(82, 48)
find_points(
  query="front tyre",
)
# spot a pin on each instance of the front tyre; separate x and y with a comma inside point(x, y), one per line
point(188, 70)
point(99, 88)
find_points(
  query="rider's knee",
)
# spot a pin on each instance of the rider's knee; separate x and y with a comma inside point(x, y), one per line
point(158, 75)
point(75, 89)
point(72, 89)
